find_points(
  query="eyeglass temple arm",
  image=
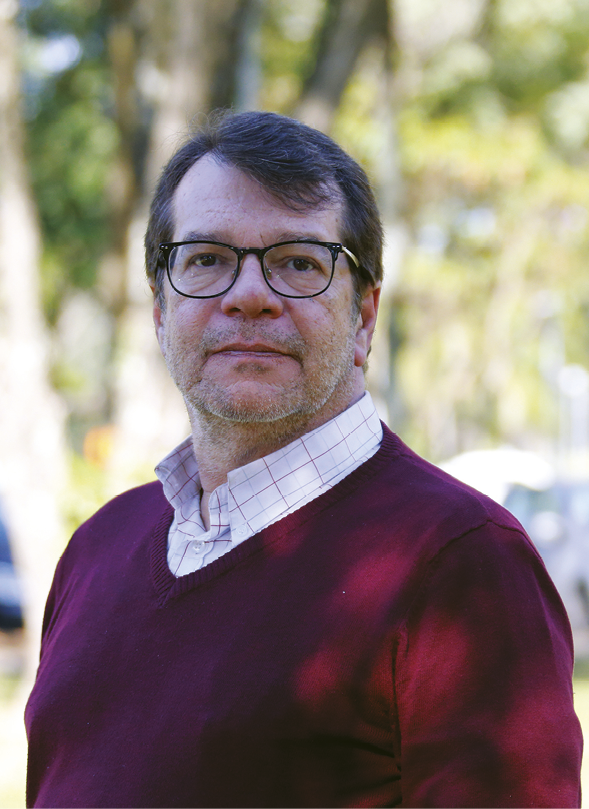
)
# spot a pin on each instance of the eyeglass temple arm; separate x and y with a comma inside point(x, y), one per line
point(351, 255)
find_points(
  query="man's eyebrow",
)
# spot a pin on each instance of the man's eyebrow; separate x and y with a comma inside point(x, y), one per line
point(215, 236)
point(296, 236)
point(193, 236)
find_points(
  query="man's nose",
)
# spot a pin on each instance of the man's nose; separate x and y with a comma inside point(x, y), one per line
point(250, 294)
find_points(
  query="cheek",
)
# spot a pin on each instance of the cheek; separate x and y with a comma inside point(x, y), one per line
point(321, 316)
point(328, 335)
point(185, 325)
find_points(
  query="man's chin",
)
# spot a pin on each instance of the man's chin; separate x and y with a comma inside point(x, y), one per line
point(249, 406)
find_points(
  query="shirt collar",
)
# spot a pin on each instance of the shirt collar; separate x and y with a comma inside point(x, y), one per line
point(287, 475)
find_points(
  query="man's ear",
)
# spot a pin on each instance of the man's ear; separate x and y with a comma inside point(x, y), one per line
point(158, 315)
point(366, 323)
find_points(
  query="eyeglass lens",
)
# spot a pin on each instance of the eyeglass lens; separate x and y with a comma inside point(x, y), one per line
point(293, 268)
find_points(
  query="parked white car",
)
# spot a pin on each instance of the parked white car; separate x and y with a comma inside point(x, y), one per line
point(557, 520)
point(555, 514)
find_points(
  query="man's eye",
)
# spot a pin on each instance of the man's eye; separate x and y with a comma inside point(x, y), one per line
point(204, 260)
point(302, 264)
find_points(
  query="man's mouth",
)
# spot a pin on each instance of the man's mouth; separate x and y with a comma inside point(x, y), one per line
point(249, 348)
point(255, 345)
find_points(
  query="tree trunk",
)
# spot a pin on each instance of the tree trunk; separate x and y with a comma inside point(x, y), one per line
point(348, 25)
point(185, 58)
point(31, 427)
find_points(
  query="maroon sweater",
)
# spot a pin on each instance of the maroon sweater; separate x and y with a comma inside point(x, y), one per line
point(395, 642)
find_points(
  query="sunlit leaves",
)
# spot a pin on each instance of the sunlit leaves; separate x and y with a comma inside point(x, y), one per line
point(72, 139)
point(500, 223)
point(479, 136)
point(288, 49)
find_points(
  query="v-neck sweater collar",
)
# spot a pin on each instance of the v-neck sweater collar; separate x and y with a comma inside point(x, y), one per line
point(168, 586)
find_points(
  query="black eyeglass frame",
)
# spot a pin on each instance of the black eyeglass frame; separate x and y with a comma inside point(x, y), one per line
point(335, 248)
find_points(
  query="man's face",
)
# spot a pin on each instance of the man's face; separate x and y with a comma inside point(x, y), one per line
point(251, 355)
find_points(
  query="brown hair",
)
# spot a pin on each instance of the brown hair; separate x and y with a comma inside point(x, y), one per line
point(299, 166)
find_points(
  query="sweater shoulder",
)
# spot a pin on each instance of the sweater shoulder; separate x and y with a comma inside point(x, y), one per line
point(123, 520)
point(427, 505)
point(425, 480)
point(140, 504)
point(144, 496)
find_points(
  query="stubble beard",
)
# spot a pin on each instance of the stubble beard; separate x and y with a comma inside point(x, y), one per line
point(285, 411)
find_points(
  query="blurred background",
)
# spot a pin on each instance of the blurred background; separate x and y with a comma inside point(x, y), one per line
point(471, 118)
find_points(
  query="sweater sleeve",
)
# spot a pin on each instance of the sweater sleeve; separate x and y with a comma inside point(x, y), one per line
point(483, 679)
point(53, 601)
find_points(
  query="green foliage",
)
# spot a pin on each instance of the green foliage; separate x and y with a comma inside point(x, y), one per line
point(288, 48)
point(499, 221)
point(489, 129)
point(494, 283)
point(72, 138)
point(537, 48)
point(86, 492)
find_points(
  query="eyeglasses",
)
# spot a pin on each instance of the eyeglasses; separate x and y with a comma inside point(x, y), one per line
point(298, 269)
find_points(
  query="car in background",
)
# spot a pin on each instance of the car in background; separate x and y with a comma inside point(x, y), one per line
point(557, 521)
point(554, 512)
point(11, 613)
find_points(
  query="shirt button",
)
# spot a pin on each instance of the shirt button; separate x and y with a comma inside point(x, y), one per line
point(199, 545)
point(241, 531)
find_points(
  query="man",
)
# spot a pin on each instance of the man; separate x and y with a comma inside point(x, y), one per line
point(301, 612)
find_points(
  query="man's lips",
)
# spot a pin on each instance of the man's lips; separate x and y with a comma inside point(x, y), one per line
point(250, 348)
point(263, 346)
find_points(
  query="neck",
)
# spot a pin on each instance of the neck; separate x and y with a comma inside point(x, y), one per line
point(221, 445)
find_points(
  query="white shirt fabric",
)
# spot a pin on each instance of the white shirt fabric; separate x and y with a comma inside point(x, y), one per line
point(263, 491)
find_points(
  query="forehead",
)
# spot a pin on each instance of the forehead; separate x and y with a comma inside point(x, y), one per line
point(220, 201)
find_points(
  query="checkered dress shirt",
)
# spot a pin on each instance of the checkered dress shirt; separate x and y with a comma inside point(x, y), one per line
point(263, 491)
